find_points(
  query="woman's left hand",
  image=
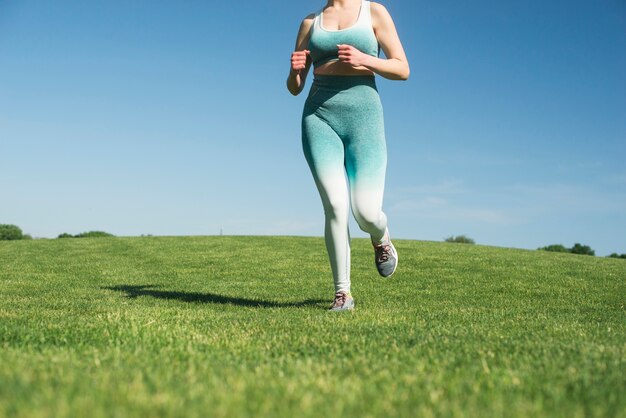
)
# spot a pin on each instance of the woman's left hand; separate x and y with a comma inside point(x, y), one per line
point(352, 56)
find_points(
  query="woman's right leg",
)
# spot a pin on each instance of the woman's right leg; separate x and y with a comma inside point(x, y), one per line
point(324, 152)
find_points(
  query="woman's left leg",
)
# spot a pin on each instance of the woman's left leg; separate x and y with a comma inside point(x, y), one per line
point(366, 164)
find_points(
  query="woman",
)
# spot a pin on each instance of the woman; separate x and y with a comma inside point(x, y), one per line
point(342, 125)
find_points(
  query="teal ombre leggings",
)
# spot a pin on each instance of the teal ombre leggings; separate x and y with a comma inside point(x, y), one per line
point(343, 138)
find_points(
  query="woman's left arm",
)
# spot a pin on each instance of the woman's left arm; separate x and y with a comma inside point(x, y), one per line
point(396, 66)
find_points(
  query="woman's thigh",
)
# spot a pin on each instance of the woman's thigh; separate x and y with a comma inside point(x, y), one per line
point(366, 153)
point(324, 152)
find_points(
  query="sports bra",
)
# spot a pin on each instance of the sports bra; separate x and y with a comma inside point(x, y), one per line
point(323, 43)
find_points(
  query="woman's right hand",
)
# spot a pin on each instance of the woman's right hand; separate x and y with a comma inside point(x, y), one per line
point(298, 60)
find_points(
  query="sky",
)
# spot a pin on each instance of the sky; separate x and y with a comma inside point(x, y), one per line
point(172, 118)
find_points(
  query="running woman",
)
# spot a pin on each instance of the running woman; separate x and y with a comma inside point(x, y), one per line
point(343, 135)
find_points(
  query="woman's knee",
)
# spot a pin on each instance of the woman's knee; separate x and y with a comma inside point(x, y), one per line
point(368, 218)
point(336, 207)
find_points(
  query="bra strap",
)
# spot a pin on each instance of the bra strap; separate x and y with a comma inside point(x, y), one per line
point(366, 12)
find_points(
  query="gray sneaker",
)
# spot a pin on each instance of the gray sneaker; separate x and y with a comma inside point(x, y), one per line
point(386, 258)
point(343, 302)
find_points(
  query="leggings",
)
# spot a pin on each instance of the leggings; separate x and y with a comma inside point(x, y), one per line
point(343, 139)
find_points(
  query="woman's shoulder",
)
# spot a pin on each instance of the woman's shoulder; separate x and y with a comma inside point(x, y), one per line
point(378, 9)
point(309, 18)
point(307, 22)
point(305, 31)
point(380, 14)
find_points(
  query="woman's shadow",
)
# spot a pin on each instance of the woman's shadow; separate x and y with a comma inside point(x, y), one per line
point(134, 291)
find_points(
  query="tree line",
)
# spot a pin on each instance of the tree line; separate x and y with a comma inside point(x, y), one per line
point(13, 232)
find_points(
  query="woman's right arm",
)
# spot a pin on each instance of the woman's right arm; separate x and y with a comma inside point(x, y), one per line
point(300, 60)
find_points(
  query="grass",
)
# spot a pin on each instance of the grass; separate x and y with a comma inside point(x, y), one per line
point(237, 326)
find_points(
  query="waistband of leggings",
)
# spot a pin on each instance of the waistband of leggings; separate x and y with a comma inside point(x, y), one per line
point(344, 81)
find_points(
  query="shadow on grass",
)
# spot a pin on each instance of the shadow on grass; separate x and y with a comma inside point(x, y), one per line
point(196, 297)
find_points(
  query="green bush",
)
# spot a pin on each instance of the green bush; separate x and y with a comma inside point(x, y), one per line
point(10, 232)
point(616, 255)
point(576, 249)
point(558, 248)
point(462, 239)
point(582, 249)
point(89, 234)
point(93, 234)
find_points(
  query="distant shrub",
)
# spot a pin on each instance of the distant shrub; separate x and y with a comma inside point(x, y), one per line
point(10, 232)
point(27, 236)
point(582, 249)
point(93, 234)
point(462, 239)
point(558, 248)
point(616, 255)
point(89, 234)
point(576, 249)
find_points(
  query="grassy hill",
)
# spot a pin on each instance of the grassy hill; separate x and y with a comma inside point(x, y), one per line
point(237, 326)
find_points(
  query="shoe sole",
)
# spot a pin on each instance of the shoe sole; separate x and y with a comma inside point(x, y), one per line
point(351, 307)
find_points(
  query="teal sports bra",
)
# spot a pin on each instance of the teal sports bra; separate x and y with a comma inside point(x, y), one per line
point(323, 43)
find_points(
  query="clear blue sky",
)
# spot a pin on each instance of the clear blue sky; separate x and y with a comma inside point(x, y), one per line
point(172, 118)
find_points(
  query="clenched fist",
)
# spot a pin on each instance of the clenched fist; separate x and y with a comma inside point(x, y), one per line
point(351, 55)
point(298, 60)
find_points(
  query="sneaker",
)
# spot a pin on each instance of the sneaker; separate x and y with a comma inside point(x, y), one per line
point(343, 302)
point(386, 258)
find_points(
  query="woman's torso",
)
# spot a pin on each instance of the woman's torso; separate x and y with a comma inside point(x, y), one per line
point(323, 43)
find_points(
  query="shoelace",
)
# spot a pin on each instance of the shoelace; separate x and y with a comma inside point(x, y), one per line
point(340, 299)
point(383, 252)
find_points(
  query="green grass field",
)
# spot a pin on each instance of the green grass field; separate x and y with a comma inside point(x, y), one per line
point(237, 326)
